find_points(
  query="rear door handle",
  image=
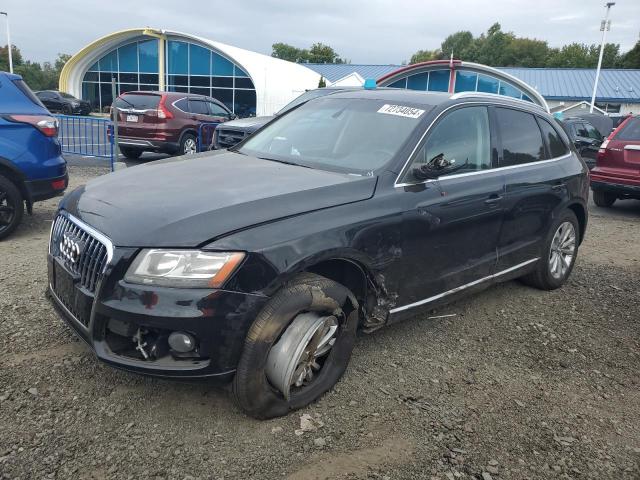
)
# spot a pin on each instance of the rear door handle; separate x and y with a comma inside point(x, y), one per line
point(493, 199)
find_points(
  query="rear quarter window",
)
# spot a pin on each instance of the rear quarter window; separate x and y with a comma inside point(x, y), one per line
point(630, 130)
point(556, 145)
point(24, 88)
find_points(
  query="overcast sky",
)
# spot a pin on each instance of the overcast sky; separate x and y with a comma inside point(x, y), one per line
point(363, 31)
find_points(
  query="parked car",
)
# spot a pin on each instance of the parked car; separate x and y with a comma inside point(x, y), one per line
point(165, 122)
point(61, 102)
point(31, 165)
point(586, 138)
point(233, 132)
point(617, 171)
point(259, 264)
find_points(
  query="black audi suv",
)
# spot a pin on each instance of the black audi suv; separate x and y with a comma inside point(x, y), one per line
point(356, 210)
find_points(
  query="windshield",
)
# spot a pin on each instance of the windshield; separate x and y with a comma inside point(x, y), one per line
point(305, 97)
point(343, 134)
point(67, 95)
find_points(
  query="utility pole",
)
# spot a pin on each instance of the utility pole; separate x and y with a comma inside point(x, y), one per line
point(604, 27)
point(8, 42)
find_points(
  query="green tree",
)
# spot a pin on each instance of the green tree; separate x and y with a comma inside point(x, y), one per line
point(461, 44)
point(38, 76)
point(321, 53)
point(424, 56)
point(288, 52)
point(318, 53)
point(631, 59)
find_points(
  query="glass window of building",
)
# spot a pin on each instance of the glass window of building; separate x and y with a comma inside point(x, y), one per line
point(190, 68)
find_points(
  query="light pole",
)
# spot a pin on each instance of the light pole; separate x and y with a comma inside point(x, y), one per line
point(8, 42)
point(604, 26)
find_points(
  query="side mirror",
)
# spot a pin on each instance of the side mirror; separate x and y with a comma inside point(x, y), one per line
point(232, 116)
point(435, 168)
point(426, 172)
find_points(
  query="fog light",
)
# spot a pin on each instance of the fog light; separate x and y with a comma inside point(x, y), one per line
point(182, 342)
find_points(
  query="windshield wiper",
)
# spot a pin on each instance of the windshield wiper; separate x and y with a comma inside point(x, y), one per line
point(286, 162)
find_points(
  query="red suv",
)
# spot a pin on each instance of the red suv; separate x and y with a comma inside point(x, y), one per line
point(165, 122)
point(617, 171)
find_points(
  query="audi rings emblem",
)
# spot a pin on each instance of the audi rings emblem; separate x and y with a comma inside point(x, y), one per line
point(71, 248)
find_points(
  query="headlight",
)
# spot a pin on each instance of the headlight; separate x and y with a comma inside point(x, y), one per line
point(75, 104)
point(183, 268)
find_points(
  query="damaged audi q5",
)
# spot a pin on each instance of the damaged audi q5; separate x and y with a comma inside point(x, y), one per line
point(259, 265)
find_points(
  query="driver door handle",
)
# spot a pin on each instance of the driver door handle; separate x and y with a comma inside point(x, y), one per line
point(493, 199)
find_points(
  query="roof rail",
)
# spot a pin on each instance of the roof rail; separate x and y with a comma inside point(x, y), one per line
point(455, 96)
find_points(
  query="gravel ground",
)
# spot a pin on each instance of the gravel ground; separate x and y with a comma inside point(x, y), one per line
point(518, 384)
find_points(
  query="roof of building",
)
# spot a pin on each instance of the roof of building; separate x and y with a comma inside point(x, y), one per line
point(577, 83)
point(335, 71)
point(615, 85)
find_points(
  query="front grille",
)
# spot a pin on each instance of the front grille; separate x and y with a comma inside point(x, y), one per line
point(90, 263)
point(227, 138)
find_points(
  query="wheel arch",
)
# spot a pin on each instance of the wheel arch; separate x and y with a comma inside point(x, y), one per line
point(8, 170)
point(580, 212)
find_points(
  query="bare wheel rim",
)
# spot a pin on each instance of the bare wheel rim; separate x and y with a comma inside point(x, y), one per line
point(189, 146)
point(297, 359)
point(562, 252)
point(7, 211)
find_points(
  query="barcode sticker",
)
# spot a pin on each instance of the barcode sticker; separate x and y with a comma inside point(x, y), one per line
point(401, 111)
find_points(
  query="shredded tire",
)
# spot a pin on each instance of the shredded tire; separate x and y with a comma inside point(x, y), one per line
point(306, 292)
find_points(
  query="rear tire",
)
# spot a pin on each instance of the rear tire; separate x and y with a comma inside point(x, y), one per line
point(306, 294)
point(554, 267)
point(188, 144)
point(131, 153)
point(603, 199)
point(11, 207)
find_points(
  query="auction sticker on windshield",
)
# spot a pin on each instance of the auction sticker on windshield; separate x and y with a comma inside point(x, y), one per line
point(401, 111)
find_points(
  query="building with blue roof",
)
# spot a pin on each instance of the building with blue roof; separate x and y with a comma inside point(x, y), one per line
point(563, 89)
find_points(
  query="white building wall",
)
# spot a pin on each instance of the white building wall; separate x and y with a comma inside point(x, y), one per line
point(624, 107)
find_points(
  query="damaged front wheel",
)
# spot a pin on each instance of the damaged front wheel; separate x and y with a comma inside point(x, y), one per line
point(297, 348)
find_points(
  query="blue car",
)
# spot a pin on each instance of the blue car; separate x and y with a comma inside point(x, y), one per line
point(31, 164)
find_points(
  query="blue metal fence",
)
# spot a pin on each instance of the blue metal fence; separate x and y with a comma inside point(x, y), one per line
point(205, 135)
point(86, 136)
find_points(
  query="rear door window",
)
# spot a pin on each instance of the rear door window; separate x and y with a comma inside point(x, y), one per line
point(630, 131)
point(521, 137)
point(556, 146)
point(138, 102)
point(198, 106)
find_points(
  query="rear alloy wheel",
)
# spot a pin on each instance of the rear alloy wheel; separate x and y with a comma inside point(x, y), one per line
point(559, 256)
point(11, 207)
point(603, 199)
point(188, 145)
point(297, 348)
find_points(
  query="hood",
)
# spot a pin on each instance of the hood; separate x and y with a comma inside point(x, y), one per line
point(249, 123)
point(187, 203)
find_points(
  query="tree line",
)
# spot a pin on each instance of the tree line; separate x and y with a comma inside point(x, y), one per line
point(504, 49)
point(39, 76)
point(494, 48)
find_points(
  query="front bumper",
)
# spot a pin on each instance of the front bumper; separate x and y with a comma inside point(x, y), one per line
point(218, 319)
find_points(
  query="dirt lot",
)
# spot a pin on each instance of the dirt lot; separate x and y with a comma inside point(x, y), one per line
point(519, 384)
